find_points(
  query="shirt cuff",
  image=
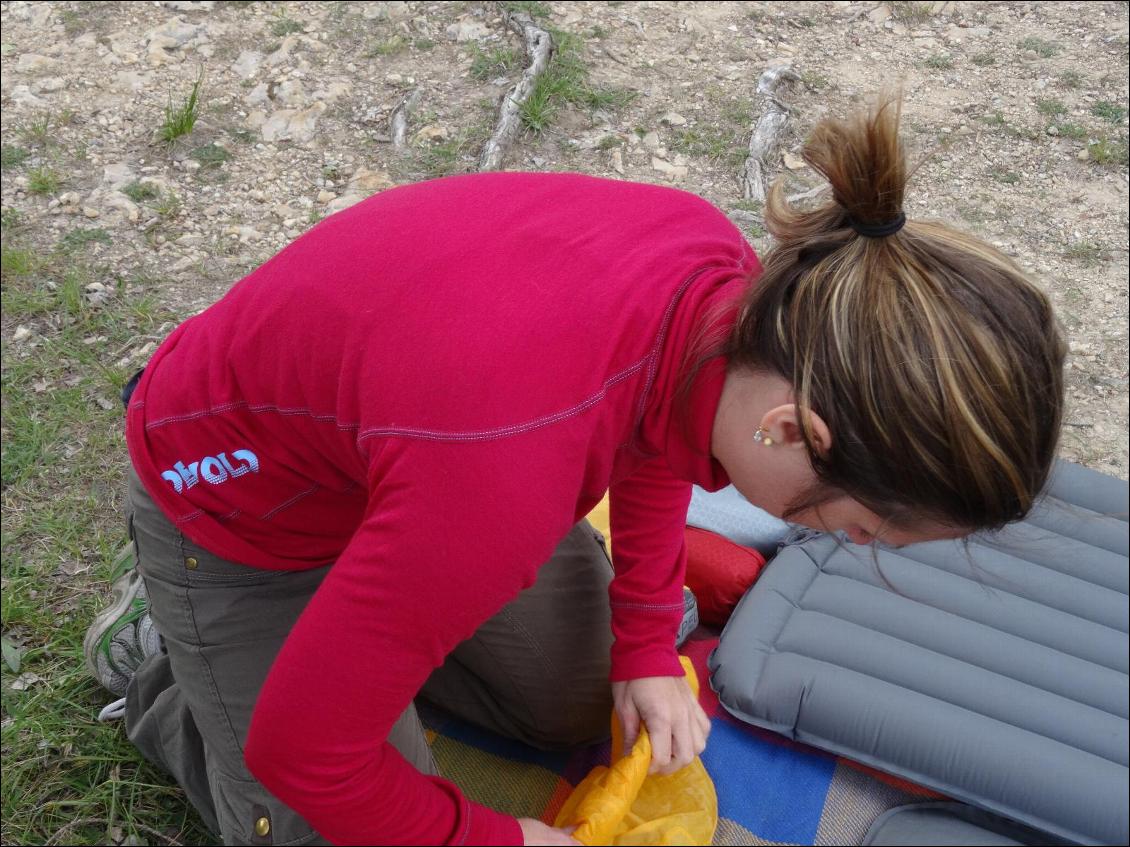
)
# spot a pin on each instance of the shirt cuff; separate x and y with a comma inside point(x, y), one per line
point(486, 826)
point(645, 644)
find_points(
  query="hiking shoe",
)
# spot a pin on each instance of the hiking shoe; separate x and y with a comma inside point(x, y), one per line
point(690, 617)
point(123, 635)
point(125, 560)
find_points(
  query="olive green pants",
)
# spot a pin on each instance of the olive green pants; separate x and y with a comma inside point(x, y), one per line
point(537, 671)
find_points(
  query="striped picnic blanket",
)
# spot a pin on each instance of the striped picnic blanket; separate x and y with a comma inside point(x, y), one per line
point(770, 790)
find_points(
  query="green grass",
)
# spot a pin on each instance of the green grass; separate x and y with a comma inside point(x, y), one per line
point(1109, 112)
point(536, 10)
point(1071, 79)
point(43, 180)
point(37, 132)
point(566, 82)
point(1050, 107)
point(912, 14)
point(997, 120)
point(17, 261)
point(1043, 49)
point(78, 239)
point(139, 192)
point(10, 219)
point(388, 46)
point(85, 17)
point(284, 26)
point(423, 43)
point(180, 119)
point(748, 206)
point(1087, 253)
point(939, 62)
point(609, 142)
point(495, 62)
point(814, 81)
point(454, 155)
point(983, 60)
point(1104, 151)
point(210, 155)
point(12, 156)
point(721, 138)
point(66, 776)
point(1005, 176)
point(754, 230)
point(973, 213)
point(1070, 130)
point(167, 205)
point(242, 135)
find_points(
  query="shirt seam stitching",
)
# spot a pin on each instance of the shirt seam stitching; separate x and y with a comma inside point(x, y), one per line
point(653, 355)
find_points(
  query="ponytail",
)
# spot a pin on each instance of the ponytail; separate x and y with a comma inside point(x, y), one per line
point(936, 363)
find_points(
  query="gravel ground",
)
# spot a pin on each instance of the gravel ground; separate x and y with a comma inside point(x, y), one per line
point(1022, 108)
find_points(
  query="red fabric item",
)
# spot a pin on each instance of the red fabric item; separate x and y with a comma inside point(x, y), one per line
point(380, 393)
point(719, 572)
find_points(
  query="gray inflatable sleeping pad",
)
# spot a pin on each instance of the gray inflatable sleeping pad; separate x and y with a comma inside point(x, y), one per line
point(949, 825)
point(995, 674)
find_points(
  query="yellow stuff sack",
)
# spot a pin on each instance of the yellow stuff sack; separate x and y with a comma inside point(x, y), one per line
point(622, 804)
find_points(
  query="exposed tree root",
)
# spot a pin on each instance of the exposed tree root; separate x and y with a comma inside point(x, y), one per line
point(765, 142)
point(539, 49)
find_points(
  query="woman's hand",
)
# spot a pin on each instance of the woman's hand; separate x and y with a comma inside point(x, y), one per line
point(536, 832)
point(669, 709)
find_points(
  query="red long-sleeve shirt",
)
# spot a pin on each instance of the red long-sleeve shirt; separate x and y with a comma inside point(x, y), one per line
point(429, 389)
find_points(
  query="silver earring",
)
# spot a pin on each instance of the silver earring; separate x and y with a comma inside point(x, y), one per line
point(762, 437)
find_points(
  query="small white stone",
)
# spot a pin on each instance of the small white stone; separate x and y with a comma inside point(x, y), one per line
point(22, 96)
point(467, 30)
point(98, 293)
point(793, 162)
point(431, 132)
point(117, 174)
point(669, 170)
point(48, 84)
point(247, 64)
point(34, 63)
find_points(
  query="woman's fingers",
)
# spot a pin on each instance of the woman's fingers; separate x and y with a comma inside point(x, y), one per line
point(683, 744)
point(659, 730)
point(630, 720)
point(697, 736)
point(536, 832)
point(701, 721)
point(676, 723)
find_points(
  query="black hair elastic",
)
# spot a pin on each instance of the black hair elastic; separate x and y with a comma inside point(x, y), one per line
point(878, 230)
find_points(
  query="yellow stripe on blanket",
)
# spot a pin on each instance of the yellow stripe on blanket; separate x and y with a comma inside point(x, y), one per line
point(598, 517)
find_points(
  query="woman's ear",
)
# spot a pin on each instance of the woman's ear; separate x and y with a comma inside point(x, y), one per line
point(782, 425)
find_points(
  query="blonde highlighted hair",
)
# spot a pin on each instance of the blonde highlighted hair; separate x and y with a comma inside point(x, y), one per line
point(936, 363)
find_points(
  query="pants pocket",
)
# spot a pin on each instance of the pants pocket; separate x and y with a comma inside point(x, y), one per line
point(249, 814)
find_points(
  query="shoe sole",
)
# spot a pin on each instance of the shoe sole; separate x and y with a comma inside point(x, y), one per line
point(123, 562)
point(124, 595)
